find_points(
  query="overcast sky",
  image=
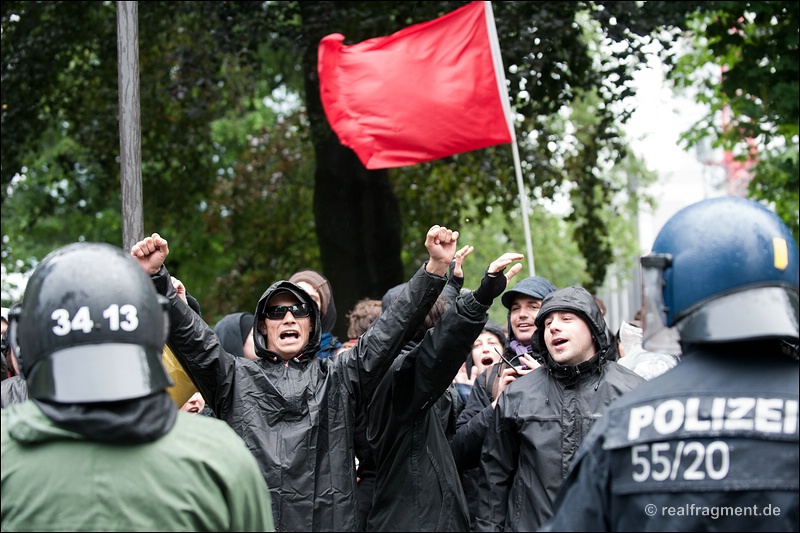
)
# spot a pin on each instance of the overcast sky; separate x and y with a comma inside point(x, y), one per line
point(654, 129)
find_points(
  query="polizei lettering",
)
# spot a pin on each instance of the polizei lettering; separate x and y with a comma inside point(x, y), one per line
point(714, 416)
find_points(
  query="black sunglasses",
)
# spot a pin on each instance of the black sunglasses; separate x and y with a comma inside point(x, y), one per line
point(277, 312)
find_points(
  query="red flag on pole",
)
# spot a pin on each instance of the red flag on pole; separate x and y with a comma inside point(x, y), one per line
point(429, 91)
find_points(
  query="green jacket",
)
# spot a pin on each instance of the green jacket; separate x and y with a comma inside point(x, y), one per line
point(198, 477)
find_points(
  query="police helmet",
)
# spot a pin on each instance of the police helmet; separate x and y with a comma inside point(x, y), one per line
point(91, 327)
point(721, 270)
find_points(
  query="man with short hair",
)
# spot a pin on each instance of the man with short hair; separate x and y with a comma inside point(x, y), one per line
point(541, 418)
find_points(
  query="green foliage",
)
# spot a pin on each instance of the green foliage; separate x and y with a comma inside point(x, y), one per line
point(742, 57)
point(230, 181)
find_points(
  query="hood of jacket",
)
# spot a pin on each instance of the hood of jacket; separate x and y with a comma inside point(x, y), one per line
point(232, 330)
point(576, 300)
point(127, 422)
point(260, 341)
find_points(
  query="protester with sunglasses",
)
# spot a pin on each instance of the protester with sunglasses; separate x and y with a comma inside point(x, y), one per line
point(295, 411)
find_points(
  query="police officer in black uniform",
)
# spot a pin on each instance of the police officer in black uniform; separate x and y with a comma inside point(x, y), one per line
point(713, 443)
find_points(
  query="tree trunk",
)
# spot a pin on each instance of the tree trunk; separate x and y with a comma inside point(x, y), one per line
point(356, 211)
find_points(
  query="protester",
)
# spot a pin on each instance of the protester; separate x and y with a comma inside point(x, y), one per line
point(483, 360)
point(486, 352)
point(713, 443)
point(446, 407)
point(319, 288)
point(523, 302)
point(235, 333)
point(417, 486)
point(360, 318)
point(295, 411)
point(101, 446)
point(646, 363)
point(3, 360)
point(13, 389)
point(541, 418)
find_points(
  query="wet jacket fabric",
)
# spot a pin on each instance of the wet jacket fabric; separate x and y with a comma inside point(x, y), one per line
point(540, 421)
point(417, 487)
point(447, 406)
point(710, 445)
point(471, 427)
point(298, 417)
point(14, 390)
point(198, 476)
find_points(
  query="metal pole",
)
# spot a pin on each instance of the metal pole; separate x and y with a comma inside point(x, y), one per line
point(130, 138)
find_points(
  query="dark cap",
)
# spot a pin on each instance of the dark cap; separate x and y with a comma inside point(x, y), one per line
point(534, 286)
point(295, 291)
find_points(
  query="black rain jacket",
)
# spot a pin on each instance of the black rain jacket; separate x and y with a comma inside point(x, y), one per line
point(540, 421)
point(298, 417)
point(417, 487)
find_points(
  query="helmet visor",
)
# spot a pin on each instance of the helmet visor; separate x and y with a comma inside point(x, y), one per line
point(657, 336)
point(98, 373)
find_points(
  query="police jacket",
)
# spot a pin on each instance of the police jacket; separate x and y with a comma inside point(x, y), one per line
point(297, 417)
point(710, 445)
point(539, 422)
point(417, 487)
point(192, 474)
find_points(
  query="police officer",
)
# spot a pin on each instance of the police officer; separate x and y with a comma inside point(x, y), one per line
point(101, 446)
point(712, 443)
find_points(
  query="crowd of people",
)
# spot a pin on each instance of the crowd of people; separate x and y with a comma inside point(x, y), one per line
point(124, 410)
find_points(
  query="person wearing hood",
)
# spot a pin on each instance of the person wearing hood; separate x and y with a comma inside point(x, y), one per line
point(295, 411)
point(235, 333)
point(319, 288)
point(485, 353)
point(100, 445)
point(542, 417)
point(446, 407)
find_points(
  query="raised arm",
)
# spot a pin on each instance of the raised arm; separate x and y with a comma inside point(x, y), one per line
point(441, 244)
point(150, 253)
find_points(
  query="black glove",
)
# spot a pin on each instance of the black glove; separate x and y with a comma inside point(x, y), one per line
point(492, 285)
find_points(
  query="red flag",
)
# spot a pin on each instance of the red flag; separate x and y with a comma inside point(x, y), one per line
point(429, 91)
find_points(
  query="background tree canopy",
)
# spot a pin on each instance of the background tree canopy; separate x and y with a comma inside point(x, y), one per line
point(243, 175)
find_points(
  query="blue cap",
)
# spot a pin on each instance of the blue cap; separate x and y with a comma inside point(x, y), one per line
point(534, 286)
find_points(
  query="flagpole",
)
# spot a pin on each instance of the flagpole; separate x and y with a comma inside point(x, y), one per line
point(501, 85)
point(523, 201)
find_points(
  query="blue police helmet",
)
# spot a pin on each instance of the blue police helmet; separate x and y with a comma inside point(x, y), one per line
point(722, 269)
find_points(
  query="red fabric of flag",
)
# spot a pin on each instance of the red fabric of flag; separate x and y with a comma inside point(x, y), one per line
point(426, 92)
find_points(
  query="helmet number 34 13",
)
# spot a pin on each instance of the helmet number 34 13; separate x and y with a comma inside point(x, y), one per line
point(123, 317)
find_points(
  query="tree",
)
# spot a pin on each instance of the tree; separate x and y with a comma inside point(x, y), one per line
point(235, 205)
point(742, 56)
